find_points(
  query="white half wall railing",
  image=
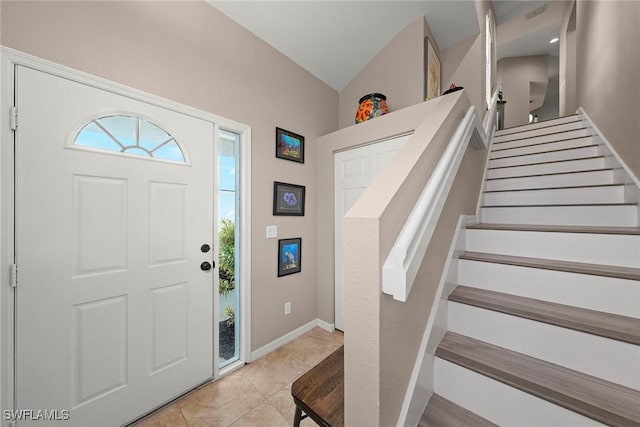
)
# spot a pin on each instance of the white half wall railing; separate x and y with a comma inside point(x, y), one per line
point(491, 116)
point(401, 266)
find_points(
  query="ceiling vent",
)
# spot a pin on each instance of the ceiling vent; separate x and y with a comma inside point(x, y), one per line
point(536, 12)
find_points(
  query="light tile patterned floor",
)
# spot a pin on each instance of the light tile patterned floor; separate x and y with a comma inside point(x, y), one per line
point(259, 394)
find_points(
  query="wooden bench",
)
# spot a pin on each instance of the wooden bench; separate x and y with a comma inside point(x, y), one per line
point(320, 392)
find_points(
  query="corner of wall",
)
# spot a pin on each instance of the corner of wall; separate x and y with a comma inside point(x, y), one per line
point(396, 71)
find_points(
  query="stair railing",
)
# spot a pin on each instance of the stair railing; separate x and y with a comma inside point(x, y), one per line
point(490, 117)
point(405, 258)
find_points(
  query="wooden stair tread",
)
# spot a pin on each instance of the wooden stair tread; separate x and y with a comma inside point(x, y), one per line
point(545, 152)
point(547, 162)
point(540, 143)
point(557, 228)
point(613, 326)
point(504, 132)
point(536, 136)
point(441, 412)
point(567, 187)
point(549, 174)
point(563, 205)
point(552, 264)
point(592, 397)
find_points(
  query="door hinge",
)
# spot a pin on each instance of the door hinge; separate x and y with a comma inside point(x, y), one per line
point(14, 118)
point(13, 276)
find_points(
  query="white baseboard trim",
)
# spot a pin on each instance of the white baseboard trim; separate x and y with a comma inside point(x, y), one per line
point(279, 342)
point(607, 144)
point(329, 327)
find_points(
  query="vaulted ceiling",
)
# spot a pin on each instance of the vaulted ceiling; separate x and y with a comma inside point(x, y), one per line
point(334, 40)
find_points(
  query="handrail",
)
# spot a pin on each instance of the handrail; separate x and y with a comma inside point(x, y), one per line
point(490, 116)
point(401, 266)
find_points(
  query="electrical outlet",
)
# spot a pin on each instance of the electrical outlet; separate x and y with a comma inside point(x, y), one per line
point(287, 308)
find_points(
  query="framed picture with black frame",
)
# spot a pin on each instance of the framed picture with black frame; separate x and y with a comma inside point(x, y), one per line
point(289, 145)
point(288, 199)
point(289, 256)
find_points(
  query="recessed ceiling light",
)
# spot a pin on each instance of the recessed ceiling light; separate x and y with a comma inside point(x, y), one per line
point(554, 40)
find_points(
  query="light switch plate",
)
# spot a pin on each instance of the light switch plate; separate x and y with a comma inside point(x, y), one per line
point(272, 231)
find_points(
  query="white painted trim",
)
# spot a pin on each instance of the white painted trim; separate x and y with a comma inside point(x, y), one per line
point(608, 145)
point(329, 327)
point(420, 387)
point(6, 236)
point(286, 338)
point(403, 262)
point(489, 119)
point(245, 244)
point(483, 183)
point(9, 58)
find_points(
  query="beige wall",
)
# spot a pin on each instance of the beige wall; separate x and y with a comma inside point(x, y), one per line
point(516, 75)
point(567, 73)
point(397, 72)
point(190, 53)
point(403, 324)
point(380, 355)
point(608, 66)
point(384, 127)
point(464, 63)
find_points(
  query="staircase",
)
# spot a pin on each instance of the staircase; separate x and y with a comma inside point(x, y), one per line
point(544, 323)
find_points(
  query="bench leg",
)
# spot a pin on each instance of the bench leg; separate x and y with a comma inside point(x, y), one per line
point(298, 417)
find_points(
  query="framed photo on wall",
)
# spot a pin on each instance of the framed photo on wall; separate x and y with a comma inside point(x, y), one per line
point(289, 146)
point(288, 199)
point(289, 256)
point(432, 71)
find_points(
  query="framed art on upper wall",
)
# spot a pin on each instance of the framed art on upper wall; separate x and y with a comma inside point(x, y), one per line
point(288, 199)
point(289, 146)
point(432, 71)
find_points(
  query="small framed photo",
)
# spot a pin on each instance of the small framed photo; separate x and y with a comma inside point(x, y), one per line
point(288, 199)
point(289, 255)
point(289, 146)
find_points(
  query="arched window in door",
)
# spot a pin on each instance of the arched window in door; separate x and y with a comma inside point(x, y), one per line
point(129, 135)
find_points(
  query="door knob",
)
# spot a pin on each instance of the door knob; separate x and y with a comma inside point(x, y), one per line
point(205, 266)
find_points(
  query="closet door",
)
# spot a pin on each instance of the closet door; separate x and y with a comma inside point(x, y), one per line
point(355, 170)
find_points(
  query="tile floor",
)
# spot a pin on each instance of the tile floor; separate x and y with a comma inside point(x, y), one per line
point(259, 394)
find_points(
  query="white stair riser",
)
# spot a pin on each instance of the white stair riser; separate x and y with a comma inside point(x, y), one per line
point(575, 350)
point(584, 195)
point(563, 180)
point(616, 215)
point(621, 250)
point(611, 295)
point(516, 141)
point(531, 149)
point(540, 125)
point(542, 131)
point(498, 402)
point(568, 166)
point(553, 156)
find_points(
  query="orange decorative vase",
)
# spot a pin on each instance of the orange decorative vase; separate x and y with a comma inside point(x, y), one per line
point(372, 105)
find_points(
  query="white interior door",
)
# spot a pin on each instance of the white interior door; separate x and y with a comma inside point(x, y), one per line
point(355, 170)
point(113, 311)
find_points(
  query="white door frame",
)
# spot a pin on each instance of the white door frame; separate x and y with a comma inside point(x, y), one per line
point(9, 58)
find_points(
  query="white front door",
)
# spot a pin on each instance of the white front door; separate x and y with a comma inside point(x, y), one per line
point(355, 170)
point(113, 311)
